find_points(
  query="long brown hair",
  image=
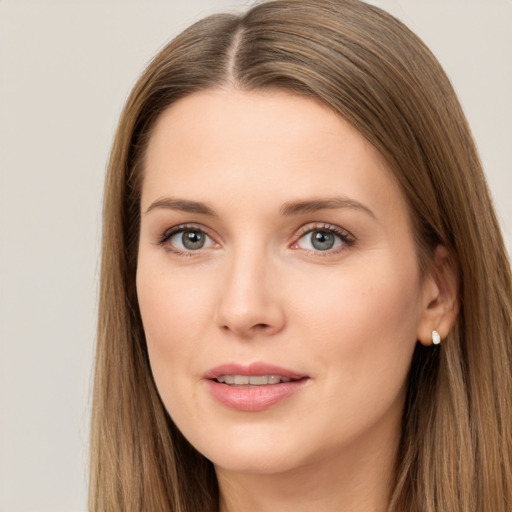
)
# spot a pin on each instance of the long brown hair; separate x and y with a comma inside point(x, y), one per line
point(456, 447)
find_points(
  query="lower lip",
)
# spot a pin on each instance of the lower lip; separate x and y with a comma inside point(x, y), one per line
point(254, 398)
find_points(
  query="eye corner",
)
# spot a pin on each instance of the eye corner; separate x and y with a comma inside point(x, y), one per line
point(330, 239)
point(173, 240)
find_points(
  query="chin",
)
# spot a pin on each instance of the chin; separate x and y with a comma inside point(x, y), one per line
point(255, 453)
point(260, 463)
point(264, 454)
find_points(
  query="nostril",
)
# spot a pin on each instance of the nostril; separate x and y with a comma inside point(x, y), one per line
point(260, 328)
point(247, 319)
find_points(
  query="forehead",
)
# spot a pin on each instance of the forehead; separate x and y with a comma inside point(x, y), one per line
point(271, 144)
point(212, 119)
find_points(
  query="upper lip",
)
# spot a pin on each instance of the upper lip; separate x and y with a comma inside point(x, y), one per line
point(251, 370)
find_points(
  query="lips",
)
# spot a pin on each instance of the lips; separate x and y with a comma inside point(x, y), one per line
point(252, 380)
point(254, 387)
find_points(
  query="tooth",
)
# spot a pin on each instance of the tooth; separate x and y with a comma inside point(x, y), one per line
point(241, 380)
point(253, 380)
point(259, 380)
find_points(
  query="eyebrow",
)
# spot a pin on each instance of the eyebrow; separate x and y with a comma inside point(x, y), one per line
point(288, 209)
point(311, 206)
point(182, 205)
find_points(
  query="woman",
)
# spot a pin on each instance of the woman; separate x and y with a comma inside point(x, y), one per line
point(305, 297)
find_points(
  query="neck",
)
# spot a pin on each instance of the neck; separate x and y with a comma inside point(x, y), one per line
point(358, 479)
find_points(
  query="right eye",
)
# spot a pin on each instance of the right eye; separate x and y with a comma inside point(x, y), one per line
point(187, 239)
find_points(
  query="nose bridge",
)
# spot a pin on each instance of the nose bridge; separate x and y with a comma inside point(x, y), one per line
point(248, 302)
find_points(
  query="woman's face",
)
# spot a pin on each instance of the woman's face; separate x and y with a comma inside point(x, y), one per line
point(278, 281)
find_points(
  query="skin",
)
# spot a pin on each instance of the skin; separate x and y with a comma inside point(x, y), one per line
point(258, 290)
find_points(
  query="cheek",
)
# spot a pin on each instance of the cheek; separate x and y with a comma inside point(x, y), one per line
point(173, 297)
point(361, 299)
point(362, 325)
point(174, 310)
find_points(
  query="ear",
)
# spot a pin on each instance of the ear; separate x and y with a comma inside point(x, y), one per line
point(440, 298)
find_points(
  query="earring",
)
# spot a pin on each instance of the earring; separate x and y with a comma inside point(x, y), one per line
point(436, 339)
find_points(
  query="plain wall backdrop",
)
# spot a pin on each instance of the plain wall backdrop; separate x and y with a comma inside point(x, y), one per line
point(66, 68)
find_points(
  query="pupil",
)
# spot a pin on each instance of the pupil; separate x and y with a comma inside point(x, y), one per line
point(322, 240)
point(193, 239)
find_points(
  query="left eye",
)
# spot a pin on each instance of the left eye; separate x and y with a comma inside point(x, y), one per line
point(190, 240)
point(320, 240)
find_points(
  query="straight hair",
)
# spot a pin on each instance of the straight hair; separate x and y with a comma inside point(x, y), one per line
point(455, 451)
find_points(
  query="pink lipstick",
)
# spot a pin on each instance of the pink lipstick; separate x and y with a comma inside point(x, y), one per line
point(253, 387)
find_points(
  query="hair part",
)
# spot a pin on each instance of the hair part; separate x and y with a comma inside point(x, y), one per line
point(456, 446)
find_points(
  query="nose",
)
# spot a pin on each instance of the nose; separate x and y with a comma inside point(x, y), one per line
point(249, 303)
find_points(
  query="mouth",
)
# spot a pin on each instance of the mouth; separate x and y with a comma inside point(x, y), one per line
point(254, 374)
point(255, 387)
point(252, 380)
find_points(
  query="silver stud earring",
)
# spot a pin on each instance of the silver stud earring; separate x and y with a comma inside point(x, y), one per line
point(436, 339)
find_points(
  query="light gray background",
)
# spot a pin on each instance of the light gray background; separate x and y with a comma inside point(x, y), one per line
point(65, 70)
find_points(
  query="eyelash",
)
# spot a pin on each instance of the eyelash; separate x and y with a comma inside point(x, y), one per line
point(180, 229)
point(346, 238)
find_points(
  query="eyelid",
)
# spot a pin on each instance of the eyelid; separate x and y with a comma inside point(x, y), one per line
point(347, 238)
point(170, 232)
